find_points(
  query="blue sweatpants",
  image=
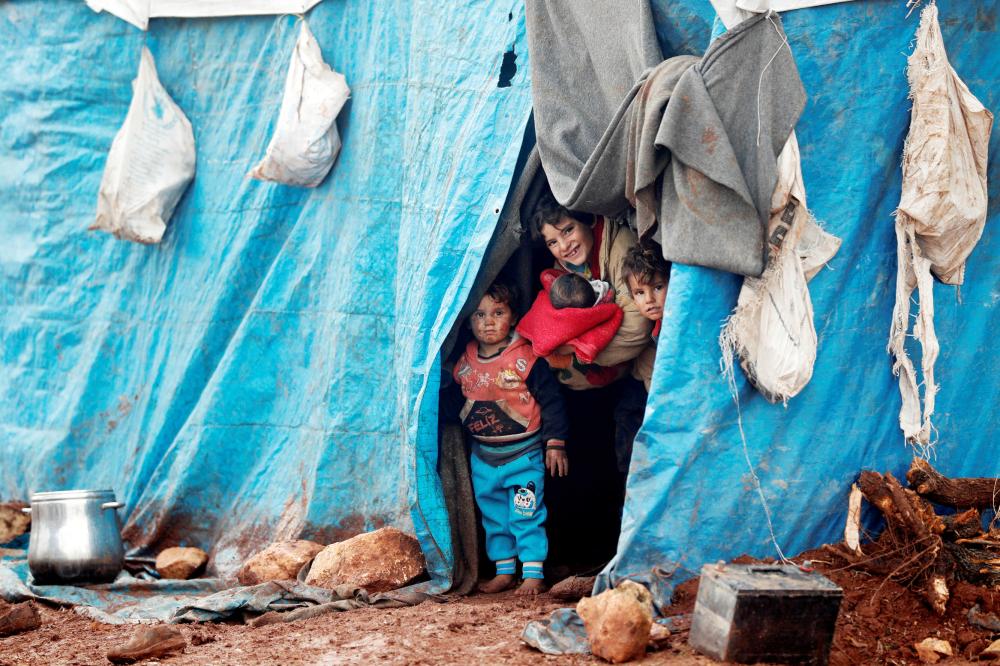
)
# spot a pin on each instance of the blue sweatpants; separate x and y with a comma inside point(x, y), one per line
point(510, 499)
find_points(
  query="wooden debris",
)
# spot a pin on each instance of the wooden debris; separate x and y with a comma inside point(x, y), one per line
point(918, 547)
point(961, 493)
point(852, 528)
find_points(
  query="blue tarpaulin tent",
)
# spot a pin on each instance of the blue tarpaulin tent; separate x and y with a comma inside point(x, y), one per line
point(270, 370)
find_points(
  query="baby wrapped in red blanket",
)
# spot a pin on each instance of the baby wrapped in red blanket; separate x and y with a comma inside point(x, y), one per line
point(558, 332)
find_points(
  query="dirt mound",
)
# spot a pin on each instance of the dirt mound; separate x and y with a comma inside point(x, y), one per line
point(880, 620)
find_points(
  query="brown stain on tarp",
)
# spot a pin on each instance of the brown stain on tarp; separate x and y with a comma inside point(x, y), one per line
point(986, 19)
point(173, 528)
point(348, 527)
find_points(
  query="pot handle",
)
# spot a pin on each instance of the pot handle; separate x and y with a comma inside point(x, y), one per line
point(26, 509)
point(112, 505)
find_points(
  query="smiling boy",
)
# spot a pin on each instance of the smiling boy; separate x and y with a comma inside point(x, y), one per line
point(513, 409)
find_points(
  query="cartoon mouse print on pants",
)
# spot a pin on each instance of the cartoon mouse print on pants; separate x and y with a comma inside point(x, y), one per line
point(524, 500)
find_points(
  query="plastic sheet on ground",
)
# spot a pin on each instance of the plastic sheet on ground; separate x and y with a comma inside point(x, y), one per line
point(562, 632)
point(126, 600)
point(133, 600)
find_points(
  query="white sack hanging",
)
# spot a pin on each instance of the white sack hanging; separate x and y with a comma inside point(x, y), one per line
point(138, 12)
point(771, 330)
point(305, 141)
point(942, 209)
point(150, 164)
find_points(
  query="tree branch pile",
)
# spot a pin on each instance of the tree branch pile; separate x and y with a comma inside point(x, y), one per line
point(922, 549)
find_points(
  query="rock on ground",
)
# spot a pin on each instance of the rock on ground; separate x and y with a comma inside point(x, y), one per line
point(992, 651)
point(573, 588)
point(377, 561)
point(181, 563)
point(19, 618)
point(930, 650)
point(279, 561)
point(148, 642)
point(618, 622)
point(13, 523)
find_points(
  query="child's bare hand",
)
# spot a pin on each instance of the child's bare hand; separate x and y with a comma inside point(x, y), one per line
point(557, 462)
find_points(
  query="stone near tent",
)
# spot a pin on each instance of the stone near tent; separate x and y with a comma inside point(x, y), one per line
point(13, 522)
point(279, 561)
point(573, 588)
point(181, 563)
point(930, 650)
point(148, 642)
point(18, 618)
point(377, 561)
point(659, 637)
point(618, 622)
point(991, 651)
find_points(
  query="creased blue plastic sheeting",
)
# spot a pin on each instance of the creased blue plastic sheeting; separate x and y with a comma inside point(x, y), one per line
point(263, 373)
point(126, 600)
point(690, 495)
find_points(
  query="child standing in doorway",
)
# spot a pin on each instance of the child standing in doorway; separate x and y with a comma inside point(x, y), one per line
point(515, 413)
point(647, 275)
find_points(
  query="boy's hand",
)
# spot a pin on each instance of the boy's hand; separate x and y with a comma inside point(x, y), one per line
point(556, 460)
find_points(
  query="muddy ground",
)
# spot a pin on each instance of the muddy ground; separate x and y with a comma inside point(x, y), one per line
point(879, 623)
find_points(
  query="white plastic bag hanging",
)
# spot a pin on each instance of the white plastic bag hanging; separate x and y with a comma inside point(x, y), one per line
point(942, 210)
point(150, 164)
point(771, 330)
point(305, 142)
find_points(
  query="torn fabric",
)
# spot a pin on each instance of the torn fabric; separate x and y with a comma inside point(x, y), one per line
point(716, 127)
point(582, 86)
point(728, 119)
point(646, 160)
point(771, 331)
point(941, 213)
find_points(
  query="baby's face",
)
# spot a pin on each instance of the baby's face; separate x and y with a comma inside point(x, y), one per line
point(649, 296)
point(492, 321)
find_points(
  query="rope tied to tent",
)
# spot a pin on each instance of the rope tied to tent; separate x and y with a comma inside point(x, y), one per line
point(731, 381)
point(760, 81)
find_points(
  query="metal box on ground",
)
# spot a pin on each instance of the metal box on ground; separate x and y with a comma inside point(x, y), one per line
point(777, 613)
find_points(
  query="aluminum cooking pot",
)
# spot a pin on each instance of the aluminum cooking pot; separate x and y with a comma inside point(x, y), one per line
point(75, 537)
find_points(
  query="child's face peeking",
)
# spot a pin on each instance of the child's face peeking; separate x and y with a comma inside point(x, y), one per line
point(491, 323)
point(649, 296)
point(568, 240)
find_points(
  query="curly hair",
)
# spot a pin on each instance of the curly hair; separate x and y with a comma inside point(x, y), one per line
point(644, 262)
point(501, 292)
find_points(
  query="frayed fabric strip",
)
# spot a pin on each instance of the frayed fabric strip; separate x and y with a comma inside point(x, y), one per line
point(941, 214)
